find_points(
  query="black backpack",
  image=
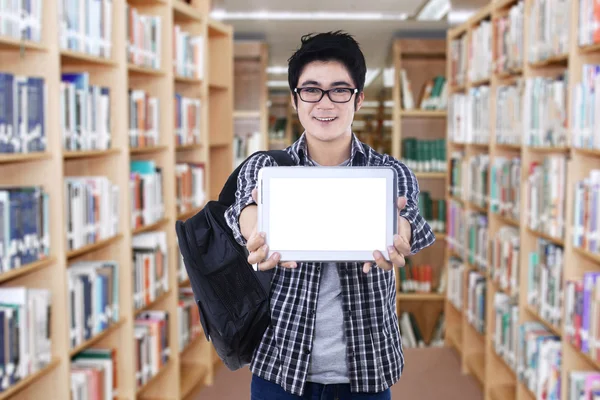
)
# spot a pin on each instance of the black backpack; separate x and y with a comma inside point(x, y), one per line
point(232, 298)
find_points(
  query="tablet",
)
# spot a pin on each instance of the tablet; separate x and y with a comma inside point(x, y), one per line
point(328, 213)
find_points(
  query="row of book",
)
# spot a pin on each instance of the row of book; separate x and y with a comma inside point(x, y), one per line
point(189, 186)
point(586, 107)
point(422, 155)
point(150, 267)
point(187, 120)
point(144, 38)
point(589, 23)
point(456, 279)
point(86, 26)
point(433, 94)
point(546, 195)
point(505, 250)
point(433, 210)
point(545, 281)
point(25, 337)
point(476, 300)
point(456, 228)
point(92, 210)
point(147, 194)
point(188, 53)
point(85, 113)
point(144, 119)
point(505, 187)
point(469, 116)
point(94, 374)
point(509, 114)
point(24, 226)
point(417, 278)
point(480, 52)
point(586, 219)
point(151, 344)
point(412, 334)
point(505, 318)
point(21, 19)
point(93, 299)
point(458, 59)
point(188, 318)
point(469, 178)
point(549, 25)
point(22, 114)
point(509, 43)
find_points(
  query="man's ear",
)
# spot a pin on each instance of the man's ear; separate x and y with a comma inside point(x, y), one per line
point(293, 101)
point(359, 101)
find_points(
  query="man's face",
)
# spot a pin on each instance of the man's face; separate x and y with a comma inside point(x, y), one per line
point(327, 121)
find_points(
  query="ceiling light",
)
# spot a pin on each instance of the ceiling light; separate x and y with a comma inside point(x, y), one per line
point(456, 17)
point(277, 83)
point(371, 75)
point(434, 10)
point(306, 16)
point(277, 69)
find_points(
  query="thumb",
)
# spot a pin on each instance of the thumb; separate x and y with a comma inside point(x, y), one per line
point(402, 202)
point(255, 195)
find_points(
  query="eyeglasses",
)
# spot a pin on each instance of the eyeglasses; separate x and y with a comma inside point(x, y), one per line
point(336, 95)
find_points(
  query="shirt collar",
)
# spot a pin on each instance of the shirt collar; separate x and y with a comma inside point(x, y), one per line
point(301, 149)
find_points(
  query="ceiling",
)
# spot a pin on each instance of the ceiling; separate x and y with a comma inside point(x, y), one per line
point(374, 37)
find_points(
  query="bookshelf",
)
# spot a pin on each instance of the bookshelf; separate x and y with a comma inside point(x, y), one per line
point(418, 131)
point(522, 252)
point(191, 57)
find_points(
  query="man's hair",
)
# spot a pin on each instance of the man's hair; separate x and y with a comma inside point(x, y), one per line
point(330, 46)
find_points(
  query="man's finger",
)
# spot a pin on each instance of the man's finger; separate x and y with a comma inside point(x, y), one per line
point(258, 255)
point(381, 261)
point(289, 264)
point(396, 258)
point(270, 263)
point(401, 245)
point(366, 267)
point(256, 240)
point(402, 202)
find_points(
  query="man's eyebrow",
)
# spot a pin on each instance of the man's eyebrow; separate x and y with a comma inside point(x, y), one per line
point(334, 84)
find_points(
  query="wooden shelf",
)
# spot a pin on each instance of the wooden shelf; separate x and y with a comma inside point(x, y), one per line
point(508, 147)
point(10, 158)
point(185, 11)
point(150, 227)
point(420, 296)
point(76, 57)
point(480, 82)
point(26, 269)
point(503, 392)
point(8, 43)
point(188, 80)
point(147, 150)
point(431, 175)
point(189, 147)
point(136, 69)
point(95, 339)
point(476, 364)
point(555, 330)
point(154, 303)
point(423, 113)
point(556, 241)
point(559, 60)
point(548, 150)
point(592, 48)
point(26, 382)
point(192, 376)
point(94, 246)
point(246, 114)
point(71, 155)
point(155, 378)
point(506, 220)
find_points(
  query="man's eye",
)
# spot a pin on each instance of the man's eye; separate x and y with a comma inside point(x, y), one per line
point(311, 90)
point(340, 91)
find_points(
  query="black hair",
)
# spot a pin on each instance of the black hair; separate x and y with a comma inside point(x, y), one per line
point(329, 46)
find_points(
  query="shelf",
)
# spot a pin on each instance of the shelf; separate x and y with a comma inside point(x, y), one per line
point(77, 57)
point(29, 380)
point(503, 392)
point(502, 362)
point(192, 376)
point(508, 147)
point(246, 114)
point(150, 227)
point(135, 69)
point(595, 364)
point(548, 150)
point(188, 147)
point(431, 175)
point(10, 158)
point(71, 155)
point(556, 241)
point(588, 254)
point(479, 146)
point(420, 296)
point(153, 379)
point(99, 336)
point(154, 303)
point(591, 48)
point(559, 60)
point(586, 152)
point(147, 150)
point(94, 246)
point(26, 269)
point(185, 11)
point(8, 43)
point(506, 220)
point(476, 364)
point(423, 113)
point(193, 343)
point(480, 82)
point(555, 330)
point(185, 79)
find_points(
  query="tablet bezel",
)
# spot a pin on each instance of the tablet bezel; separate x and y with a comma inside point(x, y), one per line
point(388, 173)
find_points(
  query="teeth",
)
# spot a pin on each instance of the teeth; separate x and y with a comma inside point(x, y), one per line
point(325, 119)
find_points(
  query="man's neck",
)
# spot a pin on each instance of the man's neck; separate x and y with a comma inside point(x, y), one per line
point(329, 153)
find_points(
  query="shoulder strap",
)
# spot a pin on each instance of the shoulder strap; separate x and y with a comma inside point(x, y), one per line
point(227, 195)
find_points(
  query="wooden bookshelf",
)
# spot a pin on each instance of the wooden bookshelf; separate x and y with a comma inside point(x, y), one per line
point(49, 169)
point(422, 60)
point(499, 380)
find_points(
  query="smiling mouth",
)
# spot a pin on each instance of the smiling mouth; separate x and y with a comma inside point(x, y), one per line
point(325, 119)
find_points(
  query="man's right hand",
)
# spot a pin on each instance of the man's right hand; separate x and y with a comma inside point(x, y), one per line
point(258, 249)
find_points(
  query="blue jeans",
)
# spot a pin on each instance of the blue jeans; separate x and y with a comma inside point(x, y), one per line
point(261, 389)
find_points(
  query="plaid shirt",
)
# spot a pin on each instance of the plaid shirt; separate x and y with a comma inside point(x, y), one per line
point(374, 349)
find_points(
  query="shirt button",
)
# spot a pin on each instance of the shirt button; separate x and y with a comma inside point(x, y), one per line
point(313, 312)
point(318, 268)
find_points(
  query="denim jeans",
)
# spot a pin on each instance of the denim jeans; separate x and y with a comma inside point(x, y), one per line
point(261, 389)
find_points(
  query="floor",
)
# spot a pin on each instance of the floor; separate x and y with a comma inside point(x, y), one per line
point(428, 374)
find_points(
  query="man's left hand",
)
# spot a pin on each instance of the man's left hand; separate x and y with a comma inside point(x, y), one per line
point(401, 247)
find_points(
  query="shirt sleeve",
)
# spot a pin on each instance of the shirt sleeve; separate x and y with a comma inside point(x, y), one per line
point(247, 180)
point(421, 233)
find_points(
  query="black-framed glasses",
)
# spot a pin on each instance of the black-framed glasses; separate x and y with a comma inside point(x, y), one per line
point(336, 95)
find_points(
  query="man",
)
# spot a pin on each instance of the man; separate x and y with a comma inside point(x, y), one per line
point(334, 331)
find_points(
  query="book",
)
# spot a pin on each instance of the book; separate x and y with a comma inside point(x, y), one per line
point(509, 113)
point(468, 116)
point(188, 318)
point(505, 187)
point(509, 35)
point(147, 197)
point(86, 26)
point(144, 38)
point(188, 53)
point(189, 186)
point(549, 25)
point(94, 374)
point(422, 155)
point(506, 322)
point(144, 119)
point(150, 267)
point(480, 52)
point(187, 120)
point(505, 248)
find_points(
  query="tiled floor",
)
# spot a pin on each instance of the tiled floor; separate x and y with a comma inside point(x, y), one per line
point(428, 374)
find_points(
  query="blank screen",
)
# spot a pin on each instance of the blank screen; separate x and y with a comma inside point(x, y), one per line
point(327, 214)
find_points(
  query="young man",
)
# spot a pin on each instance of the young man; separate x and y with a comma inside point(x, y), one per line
point(334, 331)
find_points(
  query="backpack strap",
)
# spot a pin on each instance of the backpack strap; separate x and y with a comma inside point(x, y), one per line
point(227, 195)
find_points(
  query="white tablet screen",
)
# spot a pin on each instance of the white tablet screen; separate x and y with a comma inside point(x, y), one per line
point(327, 214)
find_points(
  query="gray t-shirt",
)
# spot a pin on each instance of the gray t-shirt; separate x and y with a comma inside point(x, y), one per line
point(328, 363)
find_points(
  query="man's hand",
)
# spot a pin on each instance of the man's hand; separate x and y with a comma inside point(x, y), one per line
point(258, 249)
point(401, 247)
